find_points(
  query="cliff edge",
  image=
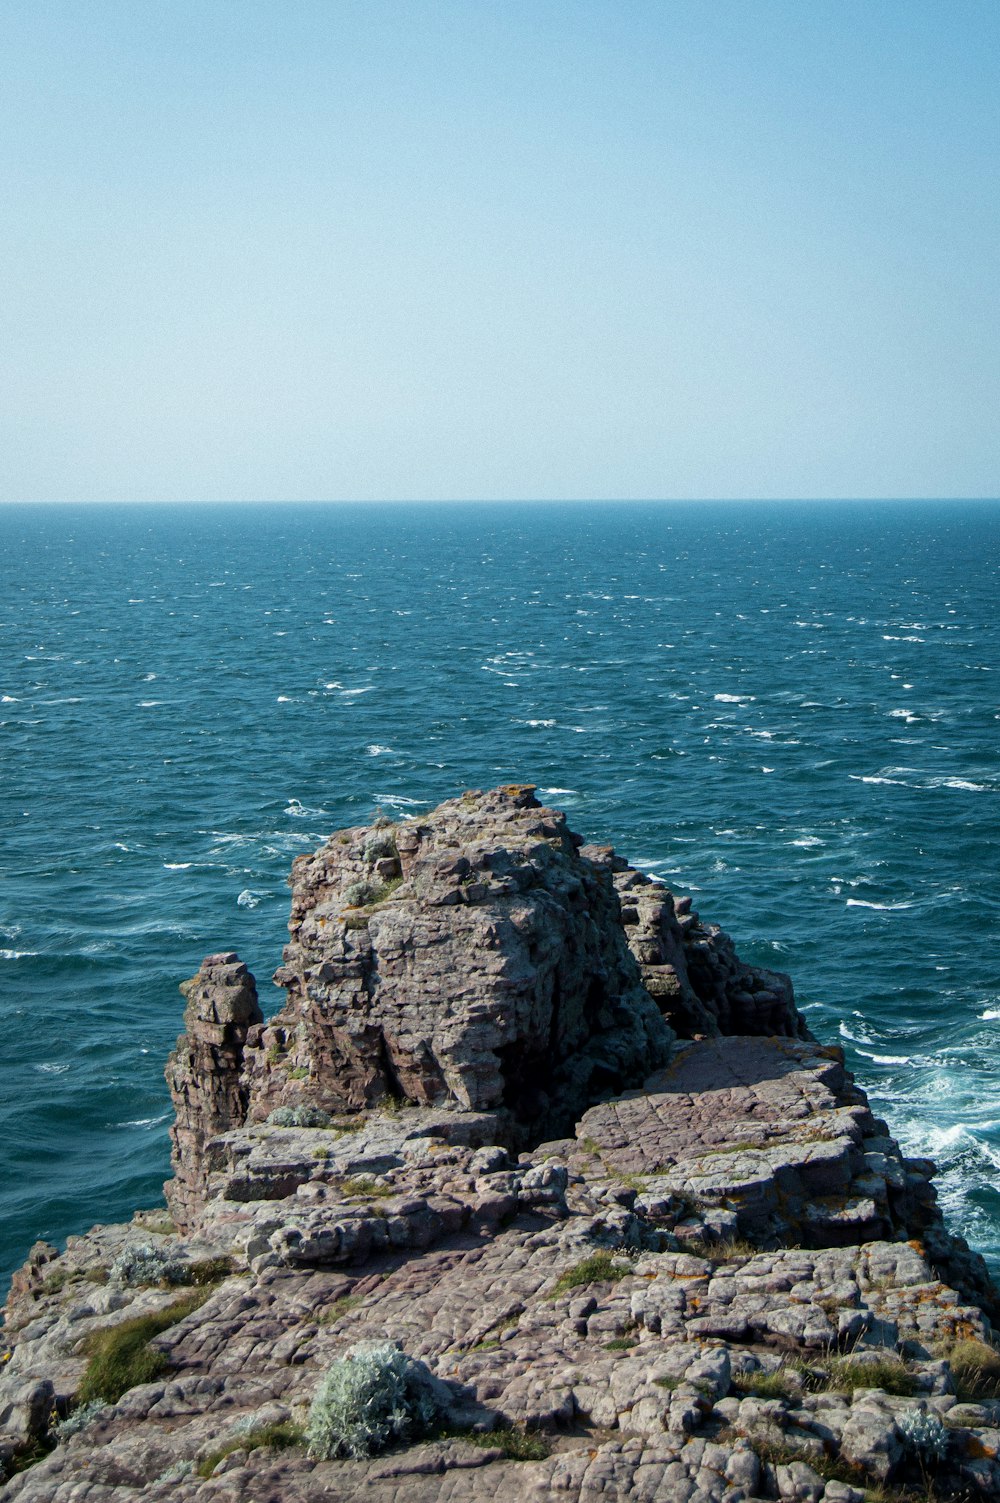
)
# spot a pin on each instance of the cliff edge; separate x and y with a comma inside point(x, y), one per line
point(532, 1136)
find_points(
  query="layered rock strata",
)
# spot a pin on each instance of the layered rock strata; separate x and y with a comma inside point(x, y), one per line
point(690, 1267)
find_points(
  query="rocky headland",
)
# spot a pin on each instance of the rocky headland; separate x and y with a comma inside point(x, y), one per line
point(528, 1133)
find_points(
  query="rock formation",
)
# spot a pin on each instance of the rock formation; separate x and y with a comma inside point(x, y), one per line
point(523, 1114)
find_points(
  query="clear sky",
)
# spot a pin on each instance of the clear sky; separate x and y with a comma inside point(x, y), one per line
point(293, 249)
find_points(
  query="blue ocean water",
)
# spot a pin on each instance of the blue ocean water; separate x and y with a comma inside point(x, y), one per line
point(788, 710)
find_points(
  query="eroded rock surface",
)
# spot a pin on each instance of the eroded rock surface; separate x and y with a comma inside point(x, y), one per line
point(717, 1280)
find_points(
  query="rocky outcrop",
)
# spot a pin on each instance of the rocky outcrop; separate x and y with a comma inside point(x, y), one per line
point(717, 1279)
point(473, 958)
point(205, 1072)
point(692, 969)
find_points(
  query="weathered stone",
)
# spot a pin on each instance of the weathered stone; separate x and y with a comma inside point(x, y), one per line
point(204, 1072)
point(460, 998)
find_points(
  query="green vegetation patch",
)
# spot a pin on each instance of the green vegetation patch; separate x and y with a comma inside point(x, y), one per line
point(516, 1443)
point(760, 1385)
point(599, 1268)
point(847, 1375)
point(363, 1187)
point(340, 1307)
point(121, 1358)
point(975, 1369)
point(276, 1437)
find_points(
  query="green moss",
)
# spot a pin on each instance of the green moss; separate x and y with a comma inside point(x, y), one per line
point(620, 1344)
point(598, 1268)
point(276, 1437)
point(121, 1358)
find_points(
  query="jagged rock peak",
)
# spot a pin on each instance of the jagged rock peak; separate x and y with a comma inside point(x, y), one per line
point(479, 958)
point(204, 1071)
point(470, 958)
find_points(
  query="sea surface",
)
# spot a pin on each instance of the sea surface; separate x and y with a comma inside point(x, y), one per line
point(788, 710)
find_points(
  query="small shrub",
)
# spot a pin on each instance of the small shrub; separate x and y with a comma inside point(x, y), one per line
point(78, 1419)
point(371, 1396)
point(360, 894)
point(276, 1437)
point(140, 1263)
point(177, 1471)
point(365, 894)
point(598, 1268)
point(380, 845)
point(122, 1358)
point(924, 1434)
point(298, 1116)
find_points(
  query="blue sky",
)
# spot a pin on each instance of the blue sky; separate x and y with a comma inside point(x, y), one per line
point(277, 249)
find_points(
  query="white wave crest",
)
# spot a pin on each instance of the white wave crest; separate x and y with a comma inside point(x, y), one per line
point(886, 907)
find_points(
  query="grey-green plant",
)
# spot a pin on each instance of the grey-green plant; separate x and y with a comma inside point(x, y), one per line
point(371, 1396)
point(359, 894)
point(177, 1471)
point(379, 846)
point(78, 1419)
point(298, 1116)
point(924, 1434)
point(141, 1263)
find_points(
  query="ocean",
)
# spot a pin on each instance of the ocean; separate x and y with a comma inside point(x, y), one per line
point(788, 710)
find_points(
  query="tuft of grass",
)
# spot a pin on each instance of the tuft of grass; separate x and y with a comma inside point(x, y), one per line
point(122, 1358)
point(847, 1375)
point(599, 1268)
point(208, 1271)
point(516, 1443)
point(830, 1468)
point(669, 1383)
point(363, 1187)
point(340, 1307)
point(25, 1457)
point(274, 1437)
point(620, 1344)
point(735, 1250)
point(975, 1369)
point(776, 1385)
